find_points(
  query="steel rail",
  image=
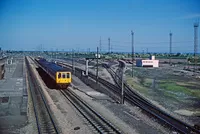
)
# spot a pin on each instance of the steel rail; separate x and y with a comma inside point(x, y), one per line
point(44, 119)
point(100, 124)
point(136, 99)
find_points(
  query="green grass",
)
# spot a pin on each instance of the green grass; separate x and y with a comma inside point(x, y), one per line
point(148, 82)
point(172, 86)
point(171, 95)
point(134, 84)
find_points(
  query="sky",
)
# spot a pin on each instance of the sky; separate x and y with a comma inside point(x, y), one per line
point(79, 24)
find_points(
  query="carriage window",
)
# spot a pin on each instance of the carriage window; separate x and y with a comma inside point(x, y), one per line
point(63, 75)
point(68, 75)
point(59, 75)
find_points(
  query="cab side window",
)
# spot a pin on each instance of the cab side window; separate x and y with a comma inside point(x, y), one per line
point(59, 75)
point(68, 75)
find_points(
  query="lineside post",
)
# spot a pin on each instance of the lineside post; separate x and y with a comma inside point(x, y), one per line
point(122, 93)
point(86, 67)
point(97, 71)
point(196, 25)
point(122, 65)
point(108, 45)
point(132, 55)
point(73, 69)
point(170, 49)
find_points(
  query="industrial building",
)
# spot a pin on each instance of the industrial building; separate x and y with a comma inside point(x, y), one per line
point(147, 62)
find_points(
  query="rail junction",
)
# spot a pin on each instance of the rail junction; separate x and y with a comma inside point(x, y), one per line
point(44, 118)
point(135, 99)
point(47, 124)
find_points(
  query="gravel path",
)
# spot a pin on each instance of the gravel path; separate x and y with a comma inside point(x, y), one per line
point(127, 118)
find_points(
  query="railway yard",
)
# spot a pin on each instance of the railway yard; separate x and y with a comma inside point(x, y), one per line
point(99, 67)
point(31, 103)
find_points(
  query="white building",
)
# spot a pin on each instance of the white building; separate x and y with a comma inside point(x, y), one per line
point(147, 63)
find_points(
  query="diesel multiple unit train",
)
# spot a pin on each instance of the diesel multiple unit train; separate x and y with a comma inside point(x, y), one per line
point(61, 76)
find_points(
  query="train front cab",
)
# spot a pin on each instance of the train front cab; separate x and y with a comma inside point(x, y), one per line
point(63, 78)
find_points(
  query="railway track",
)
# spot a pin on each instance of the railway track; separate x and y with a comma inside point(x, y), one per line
point(137, 99)
point(134, 98)
point(100, 124)
point(44, 120)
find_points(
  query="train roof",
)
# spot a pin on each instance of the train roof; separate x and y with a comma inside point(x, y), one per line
point(51, 65)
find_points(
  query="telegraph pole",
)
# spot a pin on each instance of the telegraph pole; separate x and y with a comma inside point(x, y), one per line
point(100, 45)
point(111, 48)
point(109, 45)
point(196, 25)
point(51, 53)
point(40, 50)
point(97, 71)
point(170, 49)
point(56, 52)
point(63, 53)
point(122, 66)
point(132, 35)
point(143, 53)
point(86, 67)
point(122, 91)
point(73, 61)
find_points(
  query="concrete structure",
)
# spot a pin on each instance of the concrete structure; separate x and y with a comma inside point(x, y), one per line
point(2, 70)
point(152, 57)
point(147, 63)
point(13, 96)
point(10, 60)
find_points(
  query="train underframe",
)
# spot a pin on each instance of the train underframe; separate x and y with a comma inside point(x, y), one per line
point(63, 86)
